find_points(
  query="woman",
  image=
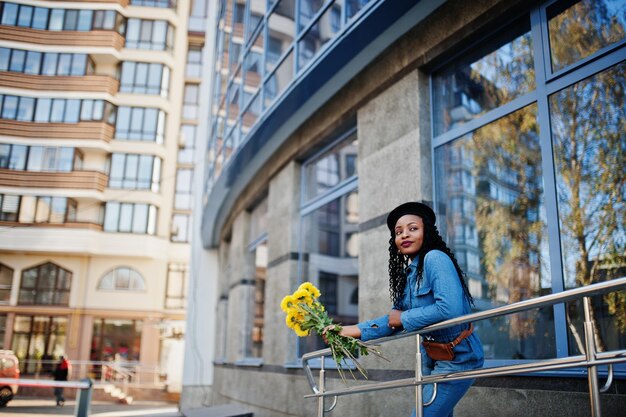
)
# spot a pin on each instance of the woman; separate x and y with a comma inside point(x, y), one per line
point(426, 286)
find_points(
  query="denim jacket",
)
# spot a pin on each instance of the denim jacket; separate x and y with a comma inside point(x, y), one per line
point(439, 297)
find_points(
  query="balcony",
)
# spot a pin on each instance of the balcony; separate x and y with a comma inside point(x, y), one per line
point(86, 83)
point(94, 38)
point(69, 225)
point(122, 3)
point(83, 130)
point(81, 239)
point(86, 180)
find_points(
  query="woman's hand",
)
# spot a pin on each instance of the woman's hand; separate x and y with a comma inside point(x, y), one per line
point(394, 319)
point(326, 329)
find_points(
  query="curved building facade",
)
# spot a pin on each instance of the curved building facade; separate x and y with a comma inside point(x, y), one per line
point(506, 116)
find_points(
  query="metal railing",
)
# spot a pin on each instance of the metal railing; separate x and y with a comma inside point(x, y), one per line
point(590, 360)
point(84, 387)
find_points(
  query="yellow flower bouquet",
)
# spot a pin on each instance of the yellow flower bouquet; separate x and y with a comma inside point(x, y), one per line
point(306, 313)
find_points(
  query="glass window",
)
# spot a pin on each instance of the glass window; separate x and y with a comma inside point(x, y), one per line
point(184, 184)
point(515, 213)
point(9, 107)
point(17, 161)
point(25, 16)
point(116, 339)
point(308, 10)
point(331, 168)
point(354, 6)
point(128, 217)
point(47, 284)
point(43, 108)
point(58, 110)
point(194, 62)
point(6, 283)
point(144, 78)
point(281, 29)
point(85, 18)
point(64, 64)
point(40, 18)
point(329, 255)
point(594, 24)
point(26, 109)
point(135, 172)
point(17, 60)
point(9, 207)
point(57, 16)
point(279, 80)
point(190, 101)
point(37, 337)
point(484, 80)
point(33, 62)
point(50, 62)
point(181, 227)
point(587, 121)
point(71, 20)
point(327, 263)
point(176, 291)
point(320, 33)
point(9, 14)
point(79, 64)
point(122, 279)
point(188, 140)
point(5, 56)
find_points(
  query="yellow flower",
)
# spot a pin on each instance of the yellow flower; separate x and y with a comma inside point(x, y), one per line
point(299, 331)
point(287, 303)
point(310, 288)
point(303, 296)
point(291, 320)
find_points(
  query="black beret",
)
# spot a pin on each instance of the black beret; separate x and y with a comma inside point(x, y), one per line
point(412, 207)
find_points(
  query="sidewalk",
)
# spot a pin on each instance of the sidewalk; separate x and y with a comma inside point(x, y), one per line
point(34, 407)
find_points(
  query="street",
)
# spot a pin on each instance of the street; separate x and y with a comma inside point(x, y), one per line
point(34, 407)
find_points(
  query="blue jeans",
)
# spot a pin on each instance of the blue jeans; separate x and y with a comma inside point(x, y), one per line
point(448, 394)
point(468, 355)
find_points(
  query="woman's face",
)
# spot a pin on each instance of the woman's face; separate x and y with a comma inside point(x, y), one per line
point(409, 235)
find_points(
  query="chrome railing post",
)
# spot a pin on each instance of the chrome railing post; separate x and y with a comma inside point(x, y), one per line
point(320, 400)
point(590, 352)
point(83, 401)
point(419, 388)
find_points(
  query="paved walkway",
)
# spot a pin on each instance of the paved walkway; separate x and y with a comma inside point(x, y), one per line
point(34, 407)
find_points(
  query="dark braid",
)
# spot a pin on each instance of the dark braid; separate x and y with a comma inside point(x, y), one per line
point(397, 277)
point(398, 263)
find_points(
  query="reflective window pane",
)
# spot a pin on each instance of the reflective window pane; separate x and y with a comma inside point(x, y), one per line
point(279, 80)
point(491, 213)
point(281, 28)
point(593, 24)
point(484, 80)
point(331, 168)
point(326, 27)
point(327, 263)
point(588, 125)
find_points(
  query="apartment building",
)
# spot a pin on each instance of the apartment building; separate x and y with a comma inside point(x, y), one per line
point(98, 115)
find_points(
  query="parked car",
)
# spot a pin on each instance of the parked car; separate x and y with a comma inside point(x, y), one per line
point(9, 368)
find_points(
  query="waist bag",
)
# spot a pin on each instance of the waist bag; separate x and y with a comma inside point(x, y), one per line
point(443, 351)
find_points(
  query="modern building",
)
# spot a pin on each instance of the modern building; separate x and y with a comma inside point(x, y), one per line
point(507, 116)
point(98, 116)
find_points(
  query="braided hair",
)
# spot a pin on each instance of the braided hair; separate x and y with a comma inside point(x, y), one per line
point(399, 262)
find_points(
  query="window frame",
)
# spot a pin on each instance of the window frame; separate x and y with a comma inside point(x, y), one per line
point(547, 83)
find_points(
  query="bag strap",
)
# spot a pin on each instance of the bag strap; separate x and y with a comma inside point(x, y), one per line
point(465, 333)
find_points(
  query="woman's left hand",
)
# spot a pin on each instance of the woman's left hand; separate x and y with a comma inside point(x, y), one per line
point(394, 319)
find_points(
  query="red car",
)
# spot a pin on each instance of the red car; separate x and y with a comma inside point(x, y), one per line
point(9, 368)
